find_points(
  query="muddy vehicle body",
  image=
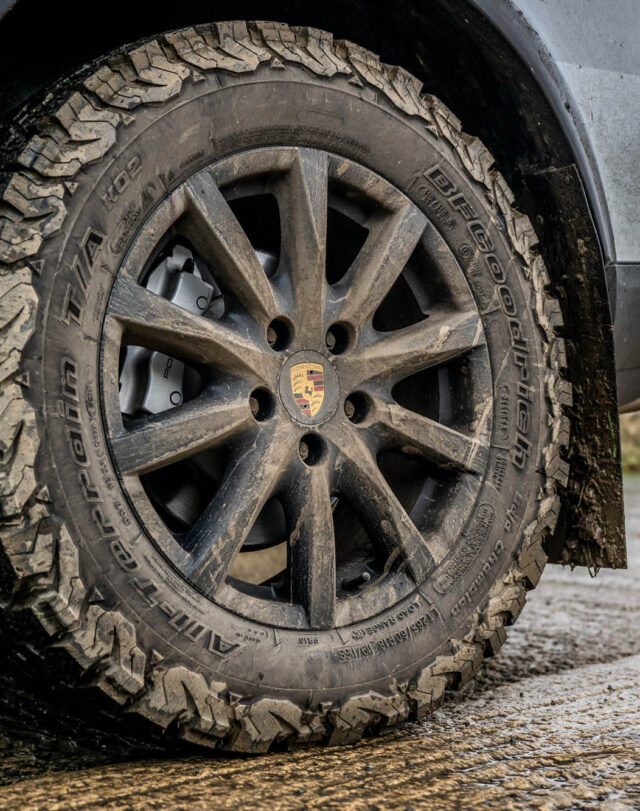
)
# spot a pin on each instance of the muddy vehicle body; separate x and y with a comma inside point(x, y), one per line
point(301, 384)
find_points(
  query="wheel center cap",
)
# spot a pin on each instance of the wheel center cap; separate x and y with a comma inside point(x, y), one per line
point(309, 387)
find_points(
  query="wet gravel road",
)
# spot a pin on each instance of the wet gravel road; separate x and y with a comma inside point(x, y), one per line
point(553, 722)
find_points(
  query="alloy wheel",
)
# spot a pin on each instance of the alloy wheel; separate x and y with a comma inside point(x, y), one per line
point(332, 405)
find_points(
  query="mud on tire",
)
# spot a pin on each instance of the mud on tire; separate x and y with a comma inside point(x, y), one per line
point(97, 165)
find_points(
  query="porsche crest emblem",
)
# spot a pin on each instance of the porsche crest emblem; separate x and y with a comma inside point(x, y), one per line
point(307, 386)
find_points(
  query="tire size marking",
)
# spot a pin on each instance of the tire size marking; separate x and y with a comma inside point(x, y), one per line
point(397, 633)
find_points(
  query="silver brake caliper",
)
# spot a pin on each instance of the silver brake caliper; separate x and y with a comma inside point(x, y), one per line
point(150, 381)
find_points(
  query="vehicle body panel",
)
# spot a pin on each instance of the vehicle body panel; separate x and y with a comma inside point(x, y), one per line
point(600, 63)
point(591, 75)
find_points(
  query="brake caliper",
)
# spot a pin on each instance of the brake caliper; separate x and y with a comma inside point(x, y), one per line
point(151, 381)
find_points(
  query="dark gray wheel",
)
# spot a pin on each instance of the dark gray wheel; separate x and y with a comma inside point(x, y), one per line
point(312, 418)
point(282, 404)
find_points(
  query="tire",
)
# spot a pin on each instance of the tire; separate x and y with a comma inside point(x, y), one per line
point(91, 548)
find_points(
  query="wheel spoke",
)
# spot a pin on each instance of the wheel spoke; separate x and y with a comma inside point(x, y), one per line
point(436, 340)
point(382, 515)
point(302, 196)
point(386, 251)
point(420, 435)
point(312, 547)
point(219, 533)
point(167, 437)
point(212, 223)
point(155, 322)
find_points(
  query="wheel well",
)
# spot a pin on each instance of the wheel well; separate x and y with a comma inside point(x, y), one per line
point(462, 59)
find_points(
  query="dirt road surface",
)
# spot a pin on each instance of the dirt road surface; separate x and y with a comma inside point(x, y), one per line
point(553, 722)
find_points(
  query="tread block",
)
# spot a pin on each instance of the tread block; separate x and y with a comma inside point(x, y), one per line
point(182, 696)
point(90, 133)
point(364, 712)
point(268, 721)
point(308, 47)
point(108, 639)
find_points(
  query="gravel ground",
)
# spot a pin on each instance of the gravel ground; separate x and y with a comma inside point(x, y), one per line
point(553, 722)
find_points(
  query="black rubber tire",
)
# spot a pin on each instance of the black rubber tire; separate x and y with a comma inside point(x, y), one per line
point(84, 183)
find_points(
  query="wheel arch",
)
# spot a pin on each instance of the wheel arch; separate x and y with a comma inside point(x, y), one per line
point(482, 72)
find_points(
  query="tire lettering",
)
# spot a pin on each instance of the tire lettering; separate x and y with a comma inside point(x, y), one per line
point(120, 182)
point(467, 597)
point(515, 511)
point(395, 635)
point(480, 236)
point(441, 181)
point(459, 203)
point(467, 551)
point(82, 269)
point(183, 623)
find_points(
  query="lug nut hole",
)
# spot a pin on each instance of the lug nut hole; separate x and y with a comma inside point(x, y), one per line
point(278, 334)
point(357, 406)
point(338, 338)
point(262, 404)
point(311, 449)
